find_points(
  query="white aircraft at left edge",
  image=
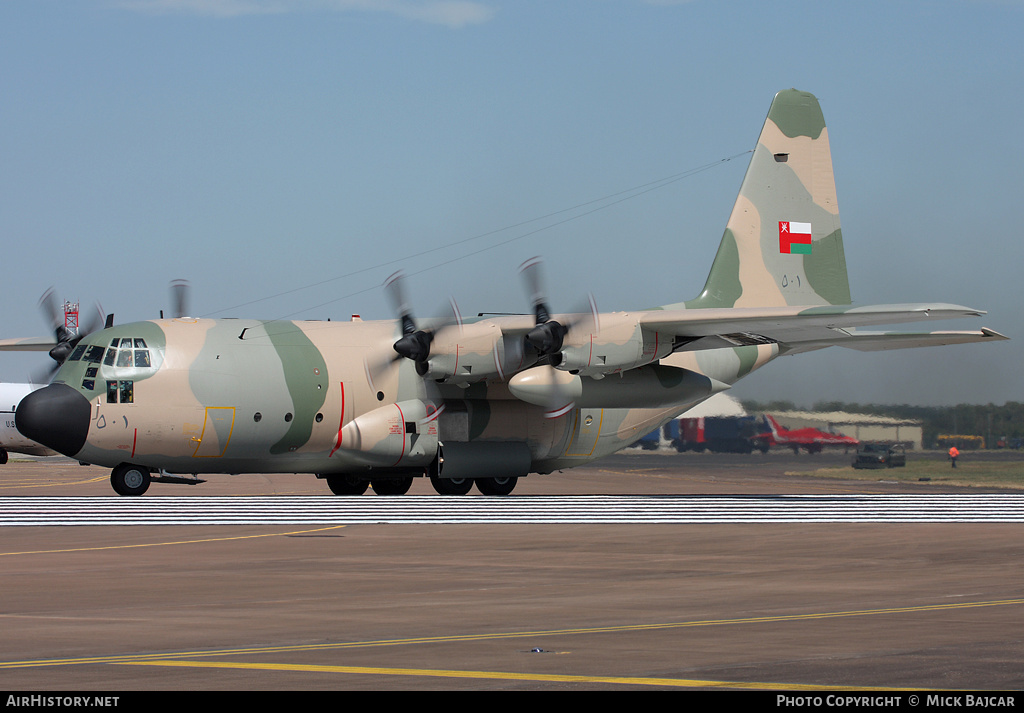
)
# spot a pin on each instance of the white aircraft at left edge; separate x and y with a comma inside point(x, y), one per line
point(11, 440)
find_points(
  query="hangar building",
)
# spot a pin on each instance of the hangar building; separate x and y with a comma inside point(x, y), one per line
point(862, 426)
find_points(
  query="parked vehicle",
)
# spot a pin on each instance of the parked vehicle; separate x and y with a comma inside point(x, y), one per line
point(880, 455)
point(718, 434)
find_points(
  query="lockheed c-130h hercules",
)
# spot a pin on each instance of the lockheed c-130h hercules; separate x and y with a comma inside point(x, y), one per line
point(485, 401)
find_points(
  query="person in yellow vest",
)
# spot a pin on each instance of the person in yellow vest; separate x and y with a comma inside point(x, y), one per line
point(953, 455)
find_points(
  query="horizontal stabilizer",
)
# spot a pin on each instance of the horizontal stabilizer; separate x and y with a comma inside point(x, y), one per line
point(778, 323)
point(804, 329)
point(882, 341)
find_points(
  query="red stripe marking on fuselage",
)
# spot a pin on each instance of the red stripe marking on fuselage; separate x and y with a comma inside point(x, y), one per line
point(341, 423)
point(402, 416)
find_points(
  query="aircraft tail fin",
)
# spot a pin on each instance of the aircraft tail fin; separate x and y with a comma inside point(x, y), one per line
point(783, 245)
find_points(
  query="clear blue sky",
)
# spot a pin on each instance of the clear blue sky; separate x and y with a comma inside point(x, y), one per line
point(284, 156)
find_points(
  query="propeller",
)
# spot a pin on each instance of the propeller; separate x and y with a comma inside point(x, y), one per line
point(67, 339)
point(180, 290)
point(549, 335)
point(415, 343)
point(179, 297)
point(554, 390)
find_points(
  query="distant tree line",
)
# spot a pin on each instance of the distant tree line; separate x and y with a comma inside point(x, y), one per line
point(1000, 425)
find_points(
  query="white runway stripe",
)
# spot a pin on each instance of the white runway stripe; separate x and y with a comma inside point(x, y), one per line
point(435, 509)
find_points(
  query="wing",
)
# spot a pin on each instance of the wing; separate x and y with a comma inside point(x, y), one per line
point(37, 344)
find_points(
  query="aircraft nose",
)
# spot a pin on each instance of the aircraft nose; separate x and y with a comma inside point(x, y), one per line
point(56, 416)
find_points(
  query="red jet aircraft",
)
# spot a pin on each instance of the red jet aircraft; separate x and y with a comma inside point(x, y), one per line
point(810, 439)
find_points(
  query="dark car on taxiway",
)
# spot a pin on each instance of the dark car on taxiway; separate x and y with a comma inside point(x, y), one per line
point(880, 455)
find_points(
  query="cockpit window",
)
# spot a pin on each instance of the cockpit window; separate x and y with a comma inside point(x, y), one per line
point(93, 354)
point(123, 352)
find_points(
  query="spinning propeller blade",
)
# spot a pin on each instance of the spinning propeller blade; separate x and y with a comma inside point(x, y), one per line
point(66, 338)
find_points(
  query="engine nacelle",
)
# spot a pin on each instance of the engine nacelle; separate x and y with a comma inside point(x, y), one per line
point(403, 434)
point(615, 348)
point(475, 353)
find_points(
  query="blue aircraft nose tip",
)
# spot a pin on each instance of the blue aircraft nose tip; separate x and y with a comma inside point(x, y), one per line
point(56, 416)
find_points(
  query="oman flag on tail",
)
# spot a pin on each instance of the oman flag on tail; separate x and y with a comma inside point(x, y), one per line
point(794, 238)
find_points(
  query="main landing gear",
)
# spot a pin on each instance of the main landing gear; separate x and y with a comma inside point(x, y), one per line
point(496, 486)
point(451, 486)
point(352, 485)
point(347, 485)
point(392, 486)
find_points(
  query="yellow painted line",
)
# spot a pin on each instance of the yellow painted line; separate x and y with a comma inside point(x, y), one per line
point(167, 544)
point(503, 676)
point(633, 471)
point(136, 659)
point(63, 483)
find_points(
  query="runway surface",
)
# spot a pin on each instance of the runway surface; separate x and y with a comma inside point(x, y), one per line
point(639, 572)
point(552, 510)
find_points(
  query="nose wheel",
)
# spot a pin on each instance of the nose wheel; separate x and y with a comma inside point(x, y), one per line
point(131, 480)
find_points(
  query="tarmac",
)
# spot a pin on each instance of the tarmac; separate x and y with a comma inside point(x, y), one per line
point(862, 607)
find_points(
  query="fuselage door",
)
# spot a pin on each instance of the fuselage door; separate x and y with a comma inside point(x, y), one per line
point(216, 432)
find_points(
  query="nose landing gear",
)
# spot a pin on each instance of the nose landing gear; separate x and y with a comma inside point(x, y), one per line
point(131, 480)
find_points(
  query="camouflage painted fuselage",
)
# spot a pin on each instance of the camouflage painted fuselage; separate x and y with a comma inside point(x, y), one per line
point(243, 396)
